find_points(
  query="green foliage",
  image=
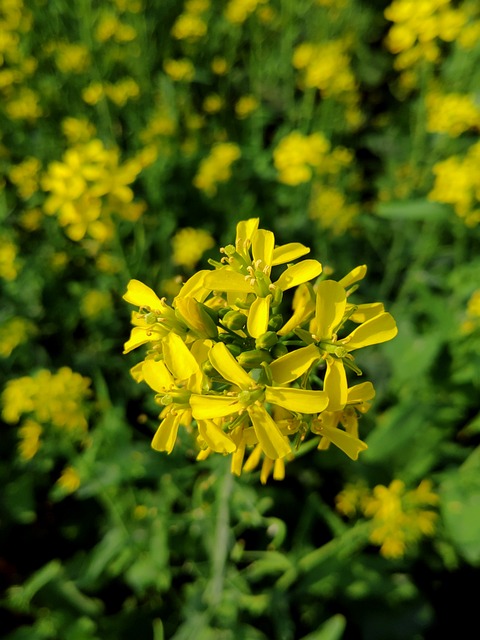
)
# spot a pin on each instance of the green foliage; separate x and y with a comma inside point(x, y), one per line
point(326, 135)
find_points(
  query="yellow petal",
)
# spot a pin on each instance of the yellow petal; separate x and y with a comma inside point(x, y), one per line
point(166, 435)
point(374, 331)
point(263, 243)
point(228, 367)
point(353, 276)
point(157, 376)
point(195, 317)
point(215, 438)
point(360, 393)
point(289, 252)
point(298, 400)
point(142, 296)
point(210, 407)
point(258, 316)
point(245, 231)
point(178, 358)
point(364, 312)
point(330, 308)
point(335, 384)
point(274, 444)
point(227, 280)
point(291, 366)
point(194, 287)
point(303, 305)
point(139, 336)
point(298, 274)
point(344, 441)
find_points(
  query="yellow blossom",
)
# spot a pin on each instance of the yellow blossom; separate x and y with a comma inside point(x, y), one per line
point(69, 480)
point(189, 245)
point(13, 333)
point(216, 167)
point(181, 70)
point(29, 444)
point(245, 106)
point(189, 26)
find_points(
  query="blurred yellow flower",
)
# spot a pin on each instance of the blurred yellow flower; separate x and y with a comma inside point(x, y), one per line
point(215, 167)
point(29, 432)
point(189, 245)
point(189, 26)
point(245, 106)
point(95, 302)
point(13, 333)
point(181, 70)
point(69, 480)
point(25, 176)
point(9, 265)
point(452, 113)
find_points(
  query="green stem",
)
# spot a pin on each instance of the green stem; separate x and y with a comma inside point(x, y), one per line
point(221, 539)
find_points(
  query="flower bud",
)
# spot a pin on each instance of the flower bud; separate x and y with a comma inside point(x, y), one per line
point(276, 322)
point(279, 350)
point(254, 358)
point(267, 340)
point(234, 349)
point(234, 320)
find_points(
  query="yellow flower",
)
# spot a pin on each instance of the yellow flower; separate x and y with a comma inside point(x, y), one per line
point(245, 106)
point(69, 480)
point(216, 167)
point(179, 70)
point(13, 333)
point(399, 517)
point(189, 26)
point(189, 245)
point(29, 433)
point(224, 364)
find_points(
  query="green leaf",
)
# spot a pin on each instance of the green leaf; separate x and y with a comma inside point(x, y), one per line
point(412, 210)
point(460, 506)
point(332, 629)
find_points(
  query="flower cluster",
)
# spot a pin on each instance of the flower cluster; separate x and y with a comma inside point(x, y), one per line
point(452, 113)
point(87, 187)
point(216, 167)
point(227, 365)
point(456, 183)
point(400, 518)
point(45, 398)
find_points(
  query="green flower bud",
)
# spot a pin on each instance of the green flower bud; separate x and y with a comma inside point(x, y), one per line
point(276, 322)
point(234, 349)
point(208, 369)
point(279, 350)
point(234, 320)
point(150, 318)
point(254, 358)
point(267, 340)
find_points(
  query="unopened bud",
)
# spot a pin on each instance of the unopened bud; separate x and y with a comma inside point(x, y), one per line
point(267, 340)
point(254, 358)
point(234, 320)
point(276, 322)
point(279, 350)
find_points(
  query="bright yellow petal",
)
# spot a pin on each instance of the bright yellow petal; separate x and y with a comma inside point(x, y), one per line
point(194, 287)
point(344, 441)
point(289, 252)
point(361, 393)
point(195, 317)
point(206, 407)
point(157, 376)
point(274, 444)
point(166, 435)
point(142, 296)
point(139, 336)
point(228, 367)
point(291, 366)
point(298, 274)
point(245, 231)
point(178, 358)
point(215, 438)
point(298, 400)
point(364, 312)
point(374, 331)
point(353, 276)
point(335, 384)
point(263, 243)
point(303, 306)
point(329, 309)
point(258, 316)
point(227, 280)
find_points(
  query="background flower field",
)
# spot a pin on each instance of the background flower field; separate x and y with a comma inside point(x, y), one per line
point(134, 136)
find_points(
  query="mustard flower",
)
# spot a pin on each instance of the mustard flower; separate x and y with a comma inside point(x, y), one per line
point(221, 362)
point(189, 245)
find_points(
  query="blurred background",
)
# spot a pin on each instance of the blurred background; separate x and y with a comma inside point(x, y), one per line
point(135, 134)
